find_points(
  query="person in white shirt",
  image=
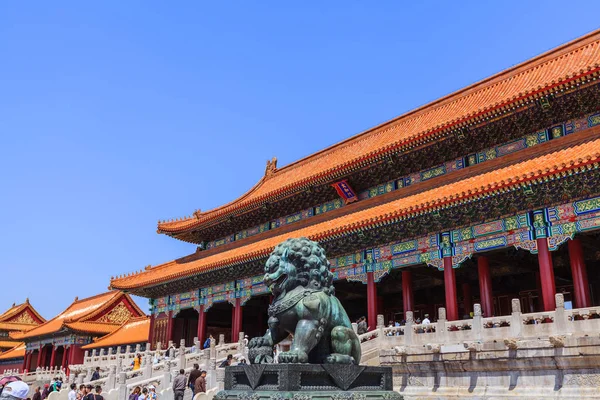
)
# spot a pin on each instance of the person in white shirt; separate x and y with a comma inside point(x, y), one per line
point(426, 320)
point(73, 393)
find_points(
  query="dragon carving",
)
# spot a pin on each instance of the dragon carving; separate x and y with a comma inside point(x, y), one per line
point(298, 274)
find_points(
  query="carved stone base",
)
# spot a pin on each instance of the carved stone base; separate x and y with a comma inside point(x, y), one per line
point(307, 381)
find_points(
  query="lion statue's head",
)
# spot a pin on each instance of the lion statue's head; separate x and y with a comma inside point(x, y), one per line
point(298, 262)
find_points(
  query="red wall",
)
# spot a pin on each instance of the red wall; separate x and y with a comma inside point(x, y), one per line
point(18, 363)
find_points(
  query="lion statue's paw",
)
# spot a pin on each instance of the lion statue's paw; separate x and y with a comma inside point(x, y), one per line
point(293, 357)
point(339, 359)
point(259, 342)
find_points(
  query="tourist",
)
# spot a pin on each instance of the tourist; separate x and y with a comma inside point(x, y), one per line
point(72, 393)
point(227, 361)
point(89, 389)
point(98, 394)
point(51, 386)
point(426, 320)
point(192, 379)
point(17, 390)
point(81, 392)
point(135, 394)
point(362, 326)
point(206, 344)
point(200, 385)
point(242, 361)
point(143, 395)
point(96, 374)
point(137, 362)
point(57, 385)
point(179, 385)
point(37, 395)
point(152, 392)
point(46, 391)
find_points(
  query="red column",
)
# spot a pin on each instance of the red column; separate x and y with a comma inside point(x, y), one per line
point(26, 361)
point(52, 356)
point(233, 322)
point(485, 286)
point(581, 285)
point(201, 326)
point(450, 288)
point(371, 301)
point(407, 292)
point(29, 357)
point(63, 362)
point(238, 320)
point(41, 354)
point(169, 328)
point(151, 331)
point(68, 358)
point(467, 298)
point(546, 274)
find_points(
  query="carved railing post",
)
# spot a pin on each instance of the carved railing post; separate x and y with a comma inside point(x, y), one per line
point(408, 328)
point(213, 349)
point(477, 322)
point(182, 354)
point(355, 327)
point(81, 377)
point(220, 378)
point(88, 374)
point(122, 385)
point(516, 325)
point(112, 376)
point(167, 379)
point(221, 339)
point(560, 319)
point(380, 321)
point(440, 329)
point(147, 367)
point(197, 345)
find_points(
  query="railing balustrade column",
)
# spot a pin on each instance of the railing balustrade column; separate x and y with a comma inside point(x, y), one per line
point(516, 325)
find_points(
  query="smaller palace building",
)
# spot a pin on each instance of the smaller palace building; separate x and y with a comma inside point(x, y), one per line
point(131, 333)
point(59, 342)
point(17, 319)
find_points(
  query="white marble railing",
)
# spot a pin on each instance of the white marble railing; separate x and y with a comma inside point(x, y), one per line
point(478, 329)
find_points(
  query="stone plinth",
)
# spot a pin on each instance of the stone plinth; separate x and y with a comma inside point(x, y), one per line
point(307, 381)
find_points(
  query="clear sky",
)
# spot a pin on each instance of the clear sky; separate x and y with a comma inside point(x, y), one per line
point(115, 114)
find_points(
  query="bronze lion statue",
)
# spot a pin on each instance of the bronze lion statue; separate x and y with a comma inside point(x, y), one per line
point(298, 274)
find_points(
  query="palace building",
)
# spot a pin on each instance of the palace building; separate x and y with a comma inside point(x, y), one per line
point(488, 194)
point(58, 342)
point(17, 319)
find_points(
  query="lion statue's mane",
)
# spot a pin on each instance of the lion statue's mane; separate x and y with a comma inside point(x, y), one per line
point(309, 260)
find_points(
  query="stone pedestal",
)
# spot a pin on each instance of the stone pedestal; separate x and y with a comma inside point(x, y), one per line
point(307, 382)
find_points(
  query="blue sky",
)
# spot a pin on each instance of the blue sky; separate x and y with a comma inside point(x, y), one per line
point(116, 114)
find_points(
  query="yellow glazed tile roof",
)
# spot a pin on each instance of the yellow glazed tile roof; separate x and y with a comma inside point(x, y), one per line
point(77, 313)
point(566, 63)
point(135, 331)
point(16, 352)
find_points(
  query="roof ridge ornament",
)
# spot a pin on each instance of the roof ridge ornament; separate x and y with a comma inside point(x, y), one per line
point(271, 167)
